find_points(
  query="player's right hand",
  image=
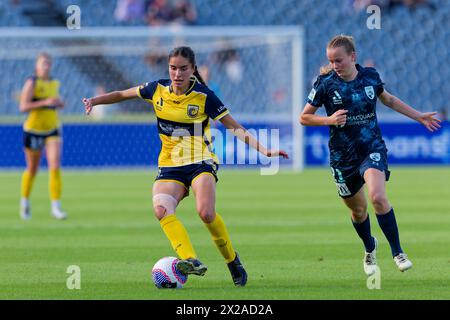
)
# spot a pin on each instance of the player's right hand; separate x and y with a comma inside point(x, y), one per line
point(339, 118)
point(87, 105)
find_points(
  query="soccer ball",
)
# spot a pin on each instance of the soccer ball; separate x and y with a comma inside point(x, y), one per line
point(166, 275)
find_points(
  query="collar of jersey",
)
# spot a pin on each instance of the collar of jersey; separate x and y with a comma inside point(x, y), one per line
point(192, 82)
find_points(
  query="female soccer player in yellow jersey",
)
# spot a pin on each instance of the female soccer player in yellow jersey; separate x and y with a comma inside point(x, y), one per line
point(183, 105)
point(40, 99)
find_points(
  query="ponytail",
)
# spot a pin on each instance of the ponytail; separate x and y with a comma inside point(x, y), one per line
point(325, 69)
point(199, 77)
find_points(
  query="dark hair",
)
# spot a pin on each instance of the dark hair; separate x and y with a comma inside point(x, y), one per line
point(188, 53)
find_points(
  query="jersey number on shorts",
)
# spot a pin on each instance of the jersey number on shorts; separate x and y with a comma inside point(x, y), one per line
point(343, 189)
point(340, 182)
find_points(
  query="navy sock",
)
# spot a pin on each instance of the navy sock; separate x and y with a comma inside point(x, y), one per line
point(363, 230)
point(388, 224)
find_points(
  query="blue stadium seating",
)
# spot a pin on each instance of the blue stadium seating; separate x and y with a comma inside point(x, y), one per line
point(411, 50)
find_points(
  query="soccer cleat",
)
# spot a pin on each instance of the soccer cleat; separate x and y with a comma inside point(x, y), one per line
point(402, 261)
point(237, 271)
point(58, 214)
point(370, 260)
point(191, 266)
point(25, 211)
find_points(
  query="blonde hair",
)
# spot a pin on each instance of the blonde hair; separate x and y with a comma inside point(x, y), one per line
point(42, 55)
point(339, 41)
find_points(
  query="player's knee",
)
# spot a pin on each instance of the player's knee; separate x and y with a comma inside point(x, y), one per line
point(53, 166)
point(378, 199)
point(32, 170)
point(359, 216)
point(206, 213)
point(163, 205)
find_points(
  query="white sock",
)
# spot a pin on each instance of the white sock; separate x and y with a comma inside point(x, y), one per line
point(24, 202)
point(56, 205)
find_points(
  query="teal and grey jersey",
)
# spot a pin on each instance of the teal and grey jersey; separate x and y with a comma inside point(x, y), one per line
point(351, 143)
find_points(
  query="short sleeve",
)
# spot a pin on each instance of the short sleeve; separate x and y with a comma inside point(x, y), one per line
point(214, 108)
point(379, 84)
point(317, 93)
point(147, 90)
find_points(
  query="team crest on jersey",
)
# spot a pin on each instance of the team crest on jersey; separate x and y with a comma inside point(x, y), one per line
point(375, 156)
point(159, 104)
point(192, 110)
point(369, 92)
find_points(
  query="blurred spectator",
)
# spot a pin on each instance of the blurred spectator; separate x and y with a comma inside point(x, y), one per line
point(206, 75)
point(162, 12)
point(227, 57)
point(159, 12)
point(361, 5)
point(411, 4)
point(184, 13)
point(129, 10)
point(155, 56)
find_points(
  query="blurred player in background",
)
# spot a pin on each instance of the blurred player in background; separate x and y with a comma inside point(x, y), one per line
point(358, 154)
point(40, 99)
point(183, 105)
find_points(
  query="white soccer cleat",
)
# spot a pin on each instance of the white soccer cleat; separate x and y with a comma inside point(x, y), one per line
point(370, 260)
point(56, 210)
point(58, 214)
point(402, 262)
point(25, 210)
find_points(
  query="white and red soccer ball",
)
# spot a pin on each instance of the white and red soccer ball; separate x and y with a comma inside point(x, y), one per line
point(166, 275)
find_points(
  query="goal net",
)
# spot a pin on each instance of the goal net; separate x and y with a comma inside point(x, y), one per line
point(256, 71)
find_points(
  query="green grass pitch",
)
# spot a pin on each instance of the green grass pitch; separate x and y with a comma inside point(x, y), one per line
point(292, 231)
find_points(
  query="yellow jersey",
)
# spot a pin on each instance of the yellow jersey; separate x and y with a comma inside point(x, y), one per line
point(45, 119)
point(183, 121)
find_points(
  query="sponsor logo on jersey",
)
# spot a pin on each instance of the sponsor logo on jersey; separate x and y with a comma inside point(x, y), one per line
point(369, 92)
point(359, 119)
point(337, 99)
point(221, 108)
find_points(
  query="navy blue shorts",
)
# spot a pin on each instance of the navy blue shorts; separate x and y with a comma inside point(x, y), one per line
point(186, 174)
point(350, 181)
point(35, 141)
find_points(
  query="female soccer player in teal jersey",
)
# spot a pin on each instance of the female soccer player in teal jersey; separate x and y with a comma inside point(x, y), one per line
point(183, 104)
point(358, 154)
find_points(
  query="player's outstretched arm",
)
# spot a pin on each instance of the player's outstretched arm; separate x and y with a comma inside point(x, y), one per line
point(428, 119)
point(309, 118)
point(109, 98)
point(242, 134)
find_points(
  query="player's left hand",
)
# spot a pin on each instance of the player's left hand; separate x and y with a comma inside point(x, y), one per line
point(430, 121)
point(277, 153)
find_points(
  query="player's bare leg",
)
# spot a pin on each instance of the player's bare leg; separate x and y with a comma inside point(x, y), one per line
point(204, 186)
